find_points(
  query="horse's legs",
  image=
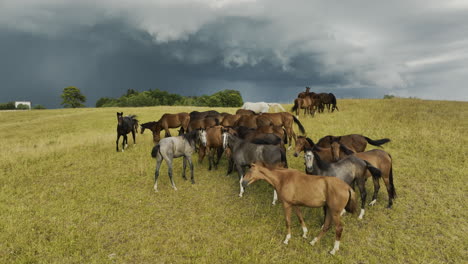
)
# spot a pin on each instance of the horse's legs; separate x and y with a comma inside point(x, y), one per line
point(390, 190)
point(325, 227)
point(287, 214)
point(230, 166)
point(210, 158)
point(240, 172)
point(169, 171)
point(156, 173)
point(133, 135)
point(189, 159)
point(301, 220)
point(338, 231)
point(219, 151)
point(376, 191)
point(168, 133)
point(124, 142)
point(117, 142)
point(275, 197)
point(362, 189)
point(184, 167)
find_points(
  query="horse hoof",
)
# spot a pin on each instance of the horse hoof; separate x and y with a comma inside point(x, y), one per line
point(313, 241)
point(373, 202)
point(332, 252)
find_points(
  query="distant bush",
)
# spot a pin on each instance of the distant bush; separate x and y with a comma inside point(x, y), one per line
point(7, 106)
point(388, 96)
point(22, 107)
point(225, 98)
point(38, 107)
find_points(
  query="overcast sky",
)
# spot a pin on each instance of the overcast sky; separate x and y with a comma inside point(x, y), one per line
point(268, 50)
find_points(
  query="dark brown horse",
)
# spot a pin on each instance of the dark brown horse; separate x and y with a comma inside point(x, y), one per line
point(379, 159)
point(125, 125)
point(328, 100)
point(296, 189)
point(167, 121)
point(355, 142)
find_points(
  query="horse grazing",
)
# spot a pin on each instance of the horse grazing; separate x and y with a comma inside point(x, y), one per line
point(258, 107)
point(355, 142)
point(125, 125)
point(286, 120)
point(174, 147)
point(211, 139)
point(326, 154)
point(379, 159)
point(328, 99)
point(350, 169)
point(303, 103)
point(197, 115)
point(244, 153)
point(298, 189)
point(165, 122)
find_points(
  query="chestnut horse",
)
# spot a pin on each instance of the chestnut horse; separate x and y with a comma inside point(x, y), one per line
point(202, 123)
point(167, 121)
point(230, 120)
point(355, 142)
point(379, 159)
point(303, 103)
point(212, 141)
point(286, 120)
point(299, 189)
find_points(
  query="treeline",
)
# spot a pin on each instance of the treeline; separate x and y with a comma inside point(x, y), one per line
point(225, 98)
point(11, 106)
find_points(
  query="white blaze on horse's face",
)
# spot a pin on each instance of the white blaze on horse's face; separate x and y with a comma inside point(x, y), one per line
point(202, 134)
point(225, 140)
point(309, 159)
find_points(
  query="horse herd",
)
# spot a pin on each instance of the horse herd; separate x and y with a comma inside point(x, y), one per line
point(314, 102)
point(257, 142)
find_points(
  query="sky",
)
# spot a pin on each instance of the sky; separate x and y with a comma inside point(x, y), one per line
point(269, 50)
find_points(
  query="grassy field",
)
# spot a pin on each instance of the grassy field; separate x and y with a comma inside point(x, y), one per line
point(66, 195)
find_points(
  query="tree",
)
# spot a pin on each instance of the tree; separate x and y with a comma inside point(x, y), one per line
point(22, 107)
point(72, 97)
point(39, 107)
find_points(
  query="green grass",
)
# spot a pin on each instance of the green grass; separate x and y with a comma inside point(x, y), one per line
point(66, 195)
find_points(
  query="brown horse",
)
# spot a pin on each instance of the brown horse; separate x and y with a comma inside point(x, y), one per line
point(299, 189)
point(303, 103)
point(355, 142)
point(379, 159)
point(253, 121)
point(245, 112)
point(230, 120)
point(286, 120)
point(304, 94)
point(212, 141)
point(165, 122)
point(326, 154)
point(202, 123)
point(328, 100)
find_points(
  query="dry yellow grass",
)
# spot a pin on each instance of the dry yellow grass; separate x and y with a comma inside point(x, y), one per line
point(66, 196)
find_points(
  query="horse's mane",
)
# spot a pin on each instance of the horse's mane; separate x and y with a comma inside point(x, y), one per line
point(311, 142)
point(148, 124)
point(346, 150)
point(191, 136)
point(323, 165)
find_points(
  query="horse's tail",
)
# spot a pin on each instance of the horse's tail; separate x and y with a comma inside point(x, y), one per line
point(155, 151)
point(377, 142)
point(351, 206)
point(296, 105)
point(301, 128)
point(376, 173)
point(333, 100)
point(392, 192)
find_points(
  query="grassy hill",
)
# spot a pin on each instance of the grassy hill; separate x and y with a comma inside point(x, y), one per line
point(66, 195)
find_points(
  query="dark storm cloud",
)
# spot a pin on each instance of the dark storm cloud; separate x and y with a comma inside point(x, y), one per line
point(269, 50)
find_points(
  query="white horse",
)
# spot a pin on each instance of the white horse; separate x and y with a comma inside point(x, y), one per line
point(261, 107)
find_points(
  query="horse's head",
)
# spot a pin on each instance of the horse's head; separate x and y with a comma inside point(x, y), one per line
point(335, 150)
point(120, 118)
point(202, 136)
point(309, 159)
point(300, 144)
point(254, 174)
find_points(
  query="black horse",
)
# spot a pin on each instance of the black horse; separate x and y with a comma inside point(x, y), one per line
point(125, 125)
point(244, 153)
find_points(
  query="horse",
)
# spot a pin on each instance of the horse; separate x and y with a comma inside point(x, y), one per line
point(202, 123)
point(275, 106)
point(286, 120)
point(350, 169)
point(125, 125)
point(174, 147)
point(243, 153)
point(328, 99)
point(165, 122)
point(379, 159)
point(355, 142)
point(258, 107)
point(304, 94)
point(197, 115)
point(245, 112)
point(230, 120)
point(211, 139)
point(253, 121)
point(302, 103)
point(325, 154)
point(298, 189)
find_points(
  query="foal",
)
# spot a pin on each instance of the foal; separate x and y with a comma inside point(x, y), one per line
point(299, 189)
point(125, 125)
